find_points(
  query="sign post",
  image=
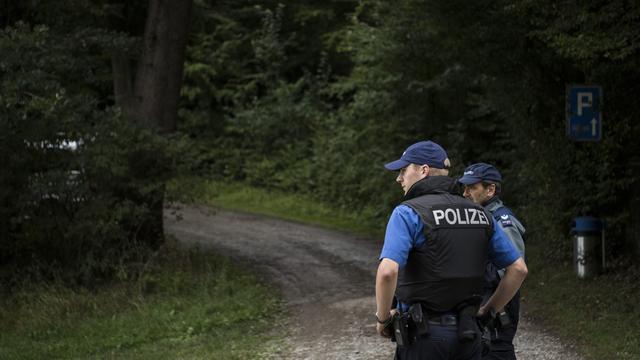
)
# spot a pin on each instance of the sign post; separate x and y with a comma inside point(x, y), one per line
point(584, 113)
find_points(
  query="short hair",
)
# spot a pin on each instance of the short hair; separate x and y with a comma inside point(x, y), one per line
point(497, 184)
point(439, 172)
point(434, 171)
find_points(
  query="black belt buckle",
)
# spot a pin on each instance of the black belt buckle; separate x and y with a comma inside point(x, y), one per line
point(445, 319)
point(449, 320)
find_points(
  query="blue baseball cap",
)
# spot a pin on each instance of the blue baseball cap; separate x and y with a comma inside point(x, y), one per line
point(480, 172)
point(421, 153)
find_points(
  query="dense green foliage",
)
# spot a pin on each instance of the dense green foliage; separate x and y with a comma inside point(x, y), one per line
point(76, 177)
point(313, 98)
point(487, 80)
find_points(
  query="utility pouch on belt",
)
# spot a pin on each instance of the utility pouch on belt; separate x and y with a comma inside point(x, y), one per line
point(486, 341)
point(503, 319)
point(467, 323)
point(419, 320)
point(400, 329)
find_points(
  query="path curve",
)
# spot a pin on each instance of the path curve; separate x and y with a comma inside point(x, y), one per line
point(326, 279)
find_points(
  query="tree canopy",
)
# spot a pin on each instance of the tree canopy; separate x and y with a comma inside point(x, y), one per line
point(309, 97)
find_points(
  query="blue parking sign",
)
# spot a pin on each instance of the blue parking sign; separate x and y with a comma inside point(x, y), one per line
point(584, 112)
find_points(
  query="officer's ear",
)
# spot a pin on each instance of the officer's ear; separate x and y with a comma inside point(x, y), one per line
point(491, 190)
point(424, 170)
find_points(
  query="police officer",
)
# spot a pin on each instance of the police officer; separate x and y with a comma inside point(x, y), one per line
point(482, 185)
point(433, 259)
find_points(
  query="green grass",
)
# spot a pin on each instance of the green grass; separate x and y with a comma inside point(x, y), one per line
point(187, 305)
point(601, 316)
point(287, 206)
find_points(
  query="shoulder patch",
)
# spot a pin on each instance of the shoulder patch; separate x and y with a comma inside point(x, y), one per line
point(505, 220)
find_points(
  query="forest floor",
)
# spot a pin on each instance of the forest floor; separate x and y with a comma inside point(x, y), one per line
point(326, 279)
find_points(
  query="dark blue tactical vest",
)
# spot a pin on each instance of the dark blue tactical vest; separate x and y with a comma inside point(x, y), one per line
point(448, 269)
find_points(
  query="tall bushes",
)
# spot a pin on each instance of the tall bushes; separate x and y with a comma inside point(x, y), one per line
point(73, 172)
point(485, 79)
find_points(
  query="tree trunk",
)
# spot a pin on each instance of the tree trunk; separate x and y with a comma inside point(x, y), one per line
point(159, 73)
point(150, 96)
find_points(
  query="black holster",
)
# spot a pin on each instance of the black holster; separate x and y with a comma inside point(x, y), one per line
point(409, 326)
point(400, 332)
point(468, 329)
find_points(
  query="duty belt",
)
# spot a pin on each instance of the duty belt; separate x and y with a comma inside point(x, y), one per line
point(444, 319)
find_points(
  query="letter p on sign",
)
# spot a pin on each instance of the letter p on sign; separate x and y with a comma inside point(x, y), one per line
point(584, 112)
point(585, 99)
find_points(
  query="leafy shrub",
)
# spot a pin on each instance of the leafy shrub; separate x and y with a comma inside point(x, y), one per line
point(76, 214)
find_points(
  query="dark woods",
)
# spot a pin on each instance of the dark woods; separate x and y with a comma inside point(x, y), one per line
point(88, 88)
point(307, 97)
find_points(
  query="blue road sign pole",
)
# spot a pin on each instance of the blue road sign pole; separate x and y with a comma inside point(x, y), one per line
point(584, 112)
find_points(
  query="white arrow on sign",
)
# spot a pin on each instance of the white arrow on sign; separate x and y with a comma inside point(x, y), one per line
point(593, 126)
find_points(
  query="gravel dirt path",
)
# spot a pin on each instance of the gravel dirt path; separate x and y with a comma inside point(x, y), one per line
point(326, 279)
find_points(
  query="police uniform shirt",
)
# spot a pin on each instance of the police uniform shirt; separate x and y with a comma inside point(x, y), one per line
point(508, 222)
point(406, 231)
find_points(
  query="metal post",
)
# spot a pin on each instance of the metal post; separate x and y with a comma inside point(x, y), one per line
point(603, 246)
